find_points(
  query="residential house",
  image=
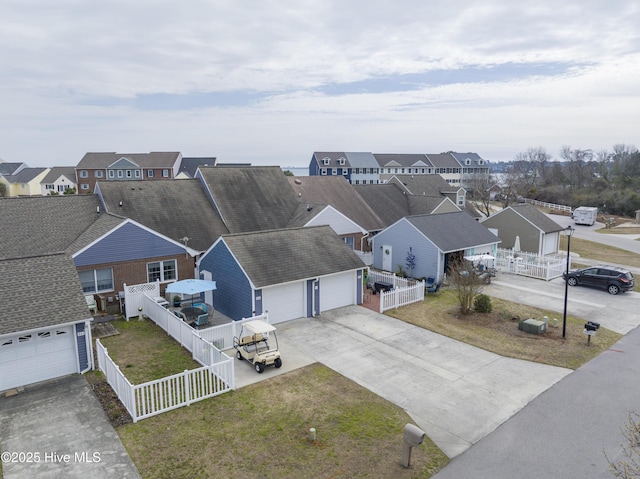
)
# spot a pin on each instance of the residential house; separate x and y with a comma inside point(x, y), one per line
point(25, 182)
point(403, 164)
point(436, 240)
point(180, 210)
point(58, 180)
point(339, 205)
point(291, 273)
point(107, 250)
point(535, 231)
point(45, 328)
point(113, 166)
point(473, 167)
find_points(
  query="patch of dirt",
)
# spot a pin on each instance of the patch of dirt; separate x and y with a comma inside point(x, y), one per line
point(111, 405)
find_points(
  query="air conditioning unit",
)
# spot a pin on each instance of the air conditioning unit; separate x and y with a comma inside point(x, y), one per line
point(532, 326)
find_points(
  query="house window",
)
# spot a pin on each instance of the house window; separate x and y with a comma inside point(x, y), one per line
point(161, 271)
point(334, 171)
point(149, 173)
point(165, 173)
point(325, 161)
point(98, 173)
point(128, 173)
point(395, 170)
point(137, 173)
point(345, 171)
point(120, 175)
point(112, 174)
point(84, 174)
point(61, 188)
point(84, 186)
point(461, 200)
point(96, 280)
point(341, 161)
point(49, 187)
point(323, 171)
point(357, 172)
point(349, 241)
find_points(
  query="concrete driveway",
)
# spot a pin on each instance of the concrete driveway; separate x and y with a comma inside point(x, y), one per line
point(58, 429)
point(455, 392)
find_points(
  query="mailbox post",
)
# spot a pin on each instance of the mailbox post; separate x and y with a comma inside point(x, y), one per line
point(412, 437)
point(590, 329)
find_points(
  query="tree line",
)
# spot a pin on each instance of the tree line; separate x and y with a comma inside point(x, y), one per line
point(609, 180)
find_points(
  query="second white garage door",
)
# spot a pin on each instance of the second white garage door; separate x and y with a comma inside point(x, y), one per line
point(284, 302)
point(37, 356)
point(337, 290)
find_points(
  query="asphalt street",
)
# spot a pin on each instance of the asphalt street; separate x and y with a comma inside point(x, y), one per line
point(575, 427)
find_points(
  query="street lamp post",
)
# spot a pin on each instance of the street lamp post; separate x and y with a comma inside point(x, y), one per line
point(568, 231)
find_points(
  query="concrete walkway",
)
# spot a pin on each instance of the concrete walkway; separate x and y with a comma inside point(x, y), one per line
point(58, 429)
point(455, 392)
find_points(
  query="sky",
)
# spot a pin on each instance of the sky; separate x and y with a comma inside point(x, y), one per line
point(269, 82)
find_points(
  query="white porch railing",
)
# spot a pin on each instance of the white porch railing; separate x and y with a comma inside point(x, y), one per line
point(397, 281)
point(545, 267)
point(401, 296)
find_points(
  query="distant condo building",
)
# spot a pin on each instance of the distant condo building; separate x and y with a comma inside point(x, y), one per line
point(363, 168)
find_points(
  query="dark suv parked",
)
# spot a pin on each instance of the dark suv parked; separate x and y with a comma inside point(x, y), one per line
point(611, 278)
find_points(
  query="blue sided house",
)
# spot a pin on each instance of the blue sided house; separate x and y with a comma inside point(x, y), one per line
point(291, 273)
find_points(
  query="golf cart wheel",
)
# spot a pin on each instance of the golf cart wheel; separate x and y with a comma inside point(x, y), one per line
point(572, 281)
point(277, 363)
point(613, 289)
point(259, 367)
point(238, 355)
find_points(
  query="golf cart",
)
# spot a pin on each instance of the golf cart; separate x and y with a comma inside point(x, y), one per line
point(483, 265)
point(253, 345)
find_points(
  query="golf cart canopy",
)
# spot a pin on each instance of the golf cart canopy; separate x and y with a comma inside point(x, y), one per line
point(258, 326)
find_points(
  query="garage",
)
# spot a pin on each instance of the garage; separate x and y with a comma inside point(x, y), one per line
point(337, 290)
point(284, 302)
point(30, 357)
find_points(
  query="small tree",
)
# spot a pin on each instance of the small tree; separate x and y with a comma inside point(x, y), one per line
point(3, 189)
point(628, 466)
point(466, 283)
point(410, 261)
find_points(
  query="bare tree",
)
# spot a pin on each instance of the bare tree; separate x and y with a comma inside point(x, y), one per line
point(466, 283)
point(628, 466)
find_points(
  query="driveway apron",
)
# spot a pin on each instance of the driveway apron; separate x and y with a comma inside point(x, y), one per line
point(58, 429)
point(455, 392)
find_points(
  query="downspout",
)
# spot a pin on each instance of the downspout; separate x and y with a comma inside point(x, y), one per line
point(364, 236)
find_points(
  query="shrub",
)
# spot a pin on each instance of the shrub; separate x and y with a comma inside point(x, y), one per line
point(482, 303)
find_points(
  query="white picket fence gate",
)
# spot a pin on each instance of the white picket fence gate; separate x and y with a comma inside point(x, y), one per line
point(545, 267)
point(155, 397)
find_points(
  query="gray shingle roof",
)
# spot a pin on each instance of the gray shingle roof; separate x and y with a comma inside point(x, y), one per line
point(9, 168)
point(253, 198)
point(174, 208)
point(280, 256)
point(189, 166)
point(453, 231)
point(403, 159)
point(339, 193)
point(537, 217)
point(25, 175)
point(41, 225)
point(333, 156)
point(39, 291)
point(387, 201)
point(443, 160)
point(58, 171)
point(154, 159)
point(425, 185)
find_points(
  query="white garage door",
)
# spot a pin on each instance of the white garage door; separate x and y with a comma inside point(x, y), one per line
point(284, 302)
point(33, 357)
point(337, 291)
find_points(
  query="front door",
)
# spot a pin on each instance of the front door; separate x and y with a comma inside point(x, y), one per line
point(387, 258)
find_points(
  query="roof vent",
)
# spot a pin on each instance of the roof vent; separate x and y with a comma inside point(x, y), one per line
point(297, 181)
point(309, 207)
point(98, 209)
point(121, 204)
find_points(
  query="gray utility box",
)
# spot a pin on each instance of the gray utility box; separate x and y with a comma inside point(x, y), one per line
point(532, 326)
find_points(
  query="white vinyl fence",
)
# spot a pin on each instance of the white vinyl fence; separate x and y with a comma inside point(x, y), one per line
point(134, 297)
point(155, 397)
point(405, 291)
point(551, 206)
point(401, 296)
point(545, 267)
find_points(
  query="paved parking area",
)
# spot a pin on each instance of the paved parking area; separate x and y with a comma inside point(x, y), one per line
point(455, 392)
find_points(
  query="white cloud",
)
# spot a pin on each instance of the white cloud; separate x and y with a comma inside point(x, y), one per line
point(495, 78)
